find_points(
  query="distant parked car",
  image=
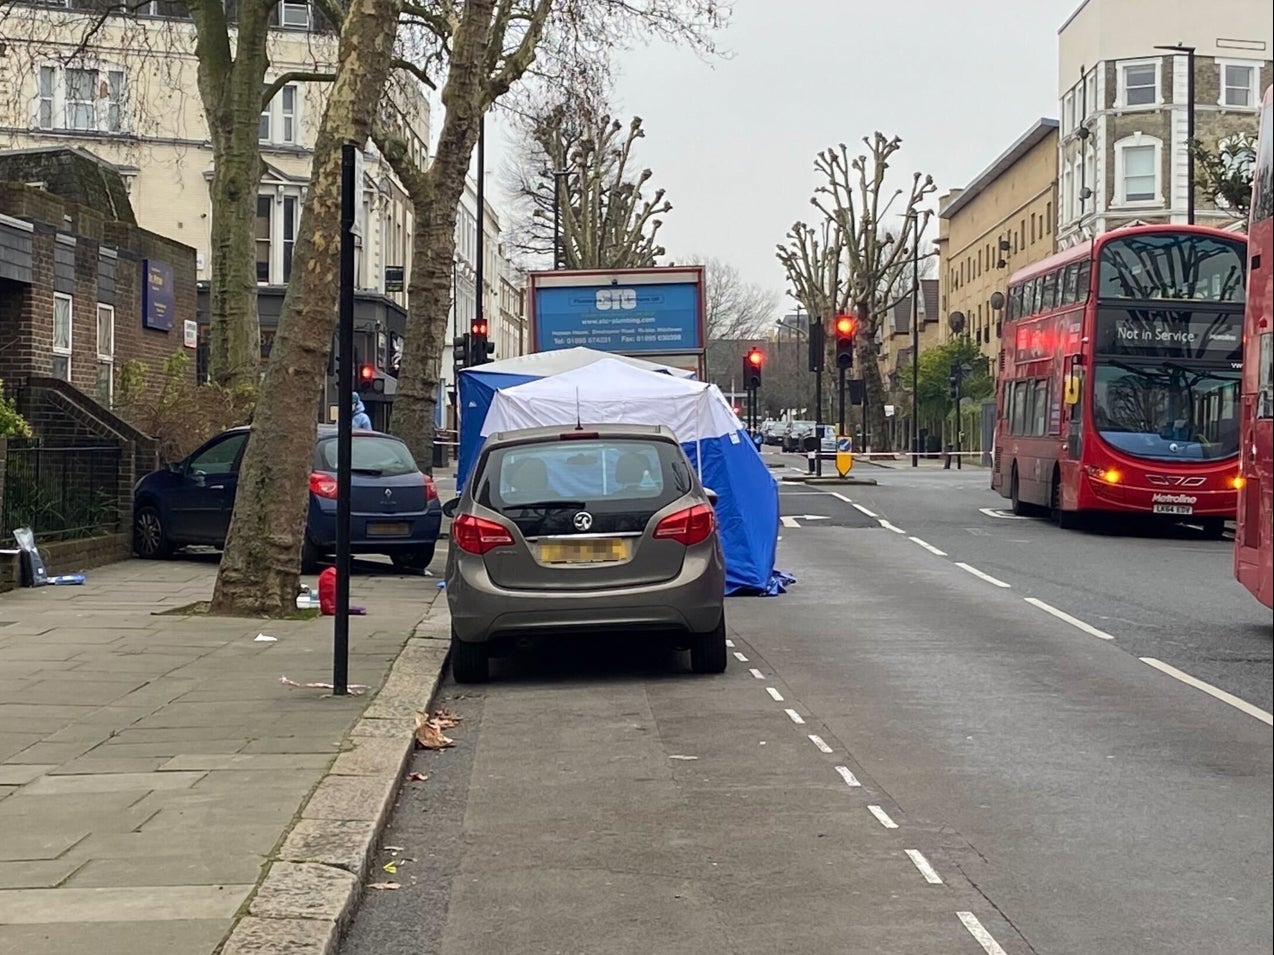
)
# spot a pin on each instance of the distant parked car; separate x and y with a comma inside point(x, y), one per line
point(395, 508)
point(796, 433)
point(772, 431)
point(602, 528)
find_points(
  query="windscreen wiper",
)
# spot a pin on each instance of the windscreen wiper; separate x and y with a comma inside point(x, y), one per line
point(373, 472)
point(545, 505)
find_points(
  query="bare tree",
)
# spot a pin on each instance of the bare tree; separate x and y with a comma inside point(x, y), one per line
point(485, 47)
point(733, 307)
point(572, 171)
point(258, 574)
point(852, 260)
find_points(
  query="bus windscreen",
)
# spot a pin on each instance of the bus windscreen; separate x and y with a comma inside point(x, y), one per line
point(1172, 266)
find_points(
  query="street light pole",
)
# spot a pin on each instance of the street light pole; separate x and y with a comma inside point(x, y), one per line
point(915, 343)
point(1189, 52)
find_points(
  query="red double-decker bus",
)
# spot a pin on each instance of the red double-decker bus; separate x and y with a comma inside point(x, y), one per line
point(1254, 528)
point(1118, 383)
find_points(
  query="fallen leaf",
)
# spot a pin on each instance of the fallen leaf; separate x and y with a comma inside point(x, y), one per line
point(429, 733)
point(391, 868)
point(446, 719)
point(385, 885)
point(418, 777)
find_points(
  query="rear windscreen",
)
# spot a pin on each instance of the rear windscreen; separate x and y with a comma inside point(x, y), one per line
point(370, 454)
point(621, 482)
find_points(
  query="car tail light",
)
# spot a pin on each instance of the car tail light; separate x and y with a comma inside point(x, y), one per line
point(431, 489)
point(692, 526)
point(476, 535)
point(323, 485)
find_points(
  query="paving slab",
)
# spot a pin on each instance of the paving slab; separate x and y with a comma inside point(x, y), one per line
point(20, 774)
point(174, 937)
point(146, 903)
point(111, 782)
point(38, 874)
point(185, 868)
point(305, 890)
point(258, 936)
point(29, 846)
point(340, 843)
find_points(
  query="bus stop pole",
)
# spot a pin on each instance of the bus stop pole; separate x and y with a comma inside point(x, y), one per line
point(344, 426)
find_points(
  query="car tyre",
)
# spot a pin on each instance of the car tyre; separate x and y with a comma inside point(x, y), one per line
point(469, 661)
point(310, 556)
point(708, 650)
point(150, 538)
point(417, 559)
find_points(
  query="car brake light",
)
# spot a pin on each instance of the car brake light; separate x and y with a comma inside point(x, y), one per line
point(578, 436)
point(477, 535)
point(692, 526)
point(323, 485)
point(431, 489)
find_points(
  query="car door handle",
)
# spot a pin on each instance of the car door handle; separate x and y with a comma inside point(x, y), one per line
point(216, 487)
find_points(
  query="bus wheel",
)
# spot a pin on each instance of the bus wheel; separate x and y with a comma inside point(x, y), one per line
point(1066, 520)
point(1019, 508)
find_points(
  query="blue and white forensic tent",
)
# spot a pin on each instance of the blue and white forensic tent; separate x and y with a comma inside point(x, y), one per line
point(615, 392)
point(478, 387)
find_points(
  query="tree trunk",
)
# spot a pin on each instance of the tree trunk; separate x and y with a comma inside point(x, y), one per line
point(258, 574)
point(234, 357)
point(434, 237)
point(874, 392)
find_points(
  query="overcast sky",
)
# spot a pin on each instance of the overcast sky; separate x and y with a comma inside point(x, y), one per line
point(733, 140)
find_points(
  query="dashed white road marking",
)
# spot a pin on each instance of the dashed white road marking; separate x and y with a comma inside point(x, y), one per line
point(927, 546)
point(890, 527)
point(848, 776)
point(981, 575)
point(980, 934)
point(729, 643)
point(841, 497)
point(774, 694)
point(1241, 705)
point(740, 657)
point(1073, 621)
point(818, 741)
point(1002, 515)
point(863, 510)
point(757, 673)
point(921, 863)
point(794, 716)
point(882, 817)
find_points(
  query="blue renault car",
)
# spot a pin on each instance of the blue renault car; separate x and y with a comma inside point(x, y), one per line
point(395, 507)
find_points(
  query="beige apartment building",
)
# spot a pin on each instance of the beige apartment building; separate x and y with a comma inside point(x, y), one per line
point(1124, 105)
point(1000, 222)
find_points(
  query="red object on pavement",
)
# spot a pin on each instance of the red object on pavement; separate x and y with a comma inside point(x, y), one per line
point(327, 592)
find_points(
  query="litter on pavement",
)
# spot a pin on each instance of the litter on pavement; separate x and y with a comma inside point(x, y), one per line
point(265, 638)
point(355, 689)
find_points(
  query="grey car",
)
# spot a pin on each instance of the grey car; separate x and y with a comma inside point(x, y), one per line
point(587, 529)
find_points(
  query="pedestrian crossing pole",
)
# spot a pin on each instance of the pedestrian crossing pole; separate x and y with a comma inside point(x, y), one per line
point(344, 426)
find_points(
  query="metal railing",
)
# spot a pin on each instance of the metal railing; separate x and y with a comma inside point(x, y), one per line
point(60, 493)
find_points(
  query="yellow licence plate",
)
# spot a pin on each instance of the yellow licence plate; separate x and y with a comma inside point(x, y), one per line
point(597, 551)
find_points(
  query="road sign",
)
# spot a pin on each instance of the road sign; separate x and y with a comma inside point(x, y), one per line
point(844, 455)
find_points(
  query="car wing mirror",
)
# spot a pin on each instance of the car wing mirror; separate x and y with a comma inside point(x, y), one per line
point(711, 495)
point(450, 508)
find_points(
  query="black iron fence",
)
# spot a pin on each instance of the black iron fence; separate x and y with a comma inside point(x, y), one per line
point(60, 493)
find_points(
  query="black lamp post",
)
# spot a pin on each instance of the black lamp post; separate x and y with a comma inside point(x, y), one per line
point(1189, 52)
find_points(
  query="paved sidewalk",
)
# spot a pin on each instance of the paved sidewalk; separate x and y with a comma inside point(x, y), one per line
point(151, 765)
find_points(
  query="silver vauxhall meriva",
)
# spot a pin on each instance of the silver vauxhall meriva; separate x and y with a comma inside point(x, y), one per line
point(596, 528)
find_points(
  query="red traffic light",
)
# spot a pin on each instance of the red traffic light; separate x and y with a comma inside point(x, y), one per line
point(755, 357)
point(844, 326)
point(479, 328)
point(366, 372)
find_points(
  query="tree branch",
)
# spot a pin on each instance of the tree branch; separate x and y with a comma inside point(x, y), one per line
point(294, 76)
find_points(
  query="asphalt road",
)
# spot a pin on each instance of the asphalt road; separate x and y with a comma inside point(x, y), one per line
point(905, 755)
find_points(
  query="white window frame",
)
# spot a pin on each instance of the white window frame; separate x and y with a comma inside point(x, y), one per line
point(1121, 100)
point(1068, 112)
point(107, 354)
point(288, 18)
point(63, 351)
point(1138, 140)
point(53, 107)
point(1090, 94)
point(46, 84)
point(286, 207)
point(282, 125)
point(1253, 89)
point(269, 240)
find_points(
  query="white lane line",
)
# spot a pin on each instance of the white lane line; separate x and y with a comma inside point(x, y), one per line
point(849, 777)
point(981, 935)
point(757, 673)
point(818, 741)
point(841, 497)
point(729, 643)
point(921, 863)
point(794, 716)
point(882, 817)
point(890, 527)
point(927, 546)
point(1003, 515)
point(789, 521)
point(1242, 705)
point(864, 510)
point(775, 695)
point(1073, 621)
point(982, 576)
point(740, 657)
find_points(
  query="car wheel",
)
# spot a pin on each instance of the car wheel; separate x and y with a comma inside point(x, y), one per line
point(708, 650)
point(150, 538)
point(469, 662)
point(418, 558)
point(310, 556)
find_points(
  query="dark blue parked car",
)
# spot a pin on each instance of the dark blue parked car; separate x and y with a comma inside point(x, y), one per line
point(395, 507)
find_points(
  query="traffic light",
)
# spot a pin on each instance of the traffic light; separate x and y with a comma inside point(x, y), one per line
point(752, 363)
point(845, 328)
point(366, 376)
point(955, 387)
point(461, 351)
point(818, 344)
point(480, 349)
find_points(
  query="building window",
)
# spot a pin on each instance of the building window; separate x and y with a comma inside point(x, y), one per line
point(265, 222)
point(62, 309)
point(105, 354)
point(289, 234)
point(1068, 113)
point(293, 15)
point(278, 124)
point(1238, 85)
point(1090, 94)
point(1139, 83)
point(80, 98)
point(1137, 167)
point(44, 107)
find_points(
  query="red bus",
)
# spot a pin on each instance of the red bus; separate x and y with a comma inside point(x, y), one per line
point(1118, 383)
point(1254, 527)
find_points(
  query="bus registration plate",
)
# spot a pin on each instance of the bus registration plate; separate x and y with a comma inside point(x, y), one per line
point(1173, 509)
